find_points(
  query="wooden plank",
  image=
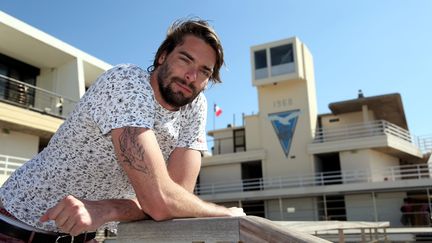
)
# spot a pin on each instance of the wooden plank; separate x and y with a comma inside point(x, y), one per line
point(341, 236)
point(248, 229)
point(180, 230)
point(255, 229)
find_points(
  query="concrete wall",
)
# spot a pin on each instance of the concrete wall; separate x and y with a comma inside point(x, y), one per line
point(286, 96)
point(66, 80)
point(368, 159)
point(18, 144)
point(253, 132)
point(355, 159)
point(344, 119)
point(381, 162)
point(309, 75)
point(293, 209)
point(359, 207)
point(388, 207)
point(223, 141)
point(70, 82)
point(222, 173)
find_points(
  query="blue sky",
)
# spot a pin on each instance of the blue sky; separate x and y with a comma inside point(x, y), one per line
point(380, 46)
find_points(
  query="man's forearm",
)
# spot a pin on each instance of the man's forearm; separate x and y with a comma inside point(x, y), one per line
point(159, 196)
point(122, 210)
point(179, 203)
point(73, 215)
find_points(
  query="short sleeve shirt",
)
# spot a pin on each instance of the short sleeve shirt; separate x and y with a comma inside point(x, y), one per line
point(80, 160)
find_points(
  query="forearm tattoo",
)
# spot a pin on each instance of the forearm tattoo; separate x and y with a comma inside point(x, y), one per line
point(132, 153)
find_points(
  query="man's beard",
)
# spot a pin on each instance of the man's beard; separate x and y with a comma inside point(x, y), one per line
point(165, 82)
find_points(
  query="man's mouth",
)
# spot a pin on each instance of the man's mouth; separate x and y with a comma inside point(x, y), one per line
point(186, 89)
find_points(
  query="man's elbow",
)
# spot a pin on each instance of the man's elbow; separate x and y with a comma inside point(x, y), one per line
point(160, 212)
point(159, 207)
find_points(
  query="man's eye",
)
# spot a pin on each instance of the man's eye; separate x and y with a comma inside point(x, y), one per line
point(185, 59)
point(206, 73)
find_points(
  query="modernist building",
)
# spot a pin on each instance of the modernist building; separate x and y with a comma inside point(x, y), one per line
point(288, 163)
point(41, 78)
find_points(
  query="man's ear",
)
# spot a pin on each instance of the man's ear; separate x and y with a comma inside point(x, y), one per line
point(162, 58)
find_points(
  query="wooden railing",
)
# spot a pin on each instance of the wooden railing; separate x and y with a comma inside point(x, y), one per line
point(249, 229)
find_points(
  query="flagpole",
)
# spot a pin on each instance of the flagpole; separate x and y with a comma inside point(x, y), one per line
point(214, 116)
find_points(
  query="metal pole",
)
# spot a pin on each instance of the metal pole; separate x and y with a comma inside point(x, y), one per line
point(243, 117)
point(214, 116)
point(429, 203)
point(374, 206)
point(325, 207)
point(281, 208)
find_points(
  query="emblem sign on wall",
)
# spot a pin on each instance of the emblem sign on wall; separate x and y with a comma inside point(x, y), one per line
point(284, 124)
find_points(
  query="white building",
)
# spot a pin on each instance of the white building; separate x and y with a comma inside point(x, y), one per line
point(41, 78)
point(288, 163)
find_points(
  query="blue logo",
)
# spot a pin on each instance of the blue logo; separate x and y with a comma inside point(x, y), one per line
point(284, 124)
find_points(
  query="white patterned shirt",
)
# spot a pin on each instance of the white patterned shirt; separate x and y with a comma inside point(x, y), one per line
point(80, 160)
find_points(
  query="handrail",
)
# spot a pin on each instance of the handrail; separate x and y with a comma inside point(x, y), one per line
point(425, 143)
point(33, 97)
point(225, 145)
point(393, 173)
point(221, 229)
point(362, 129)
point(9, 164)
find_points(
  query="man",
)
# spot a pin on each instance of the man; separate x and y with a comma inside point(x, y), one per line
point(130, 148)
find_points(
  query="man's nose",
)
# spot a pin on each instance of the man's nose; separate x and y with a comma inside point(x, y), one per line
point(191, 74)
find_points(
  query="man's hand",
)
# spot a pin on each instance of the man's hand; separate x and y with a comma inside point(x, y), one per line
point(75, 216)
point(235, 212)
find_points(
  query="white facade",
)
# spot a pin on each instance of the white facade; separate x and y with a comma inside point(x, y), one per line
point(358, 163)
point(41, 79)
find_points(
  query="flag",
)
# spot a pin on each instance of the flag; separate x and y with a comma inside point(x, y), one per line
point(217, 110)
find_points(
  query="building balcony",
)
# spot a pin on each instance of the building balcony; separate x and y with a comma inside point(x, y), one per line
point(395, 177)
point(380, 134)
point(8, 164)
point(19, 93)
point(24, 107)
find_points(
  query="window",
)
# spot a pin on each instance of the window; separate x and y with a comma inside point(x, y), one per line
point(255, 208)
point(261, 64)
point(239, 140)
point(282, 59)
point(251, 173)
point(260, 59)
point(15, 91)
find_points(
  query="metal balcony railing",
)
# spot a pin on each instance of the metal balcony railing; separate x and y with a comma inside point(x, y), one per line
point(425, 143)
point(19, 93)
point(394, 173)
point(361, 130)
point(8, 164)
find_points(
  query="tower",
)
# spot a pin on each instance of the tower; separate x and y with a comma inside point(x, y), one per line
point(283, 74)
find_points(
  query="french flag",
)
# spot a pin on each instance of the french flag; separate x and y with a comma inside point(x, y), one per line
point(217, 110)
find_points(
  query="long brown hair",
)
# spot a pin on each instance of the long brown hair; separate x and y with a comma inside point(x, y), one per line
point(198, 28)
